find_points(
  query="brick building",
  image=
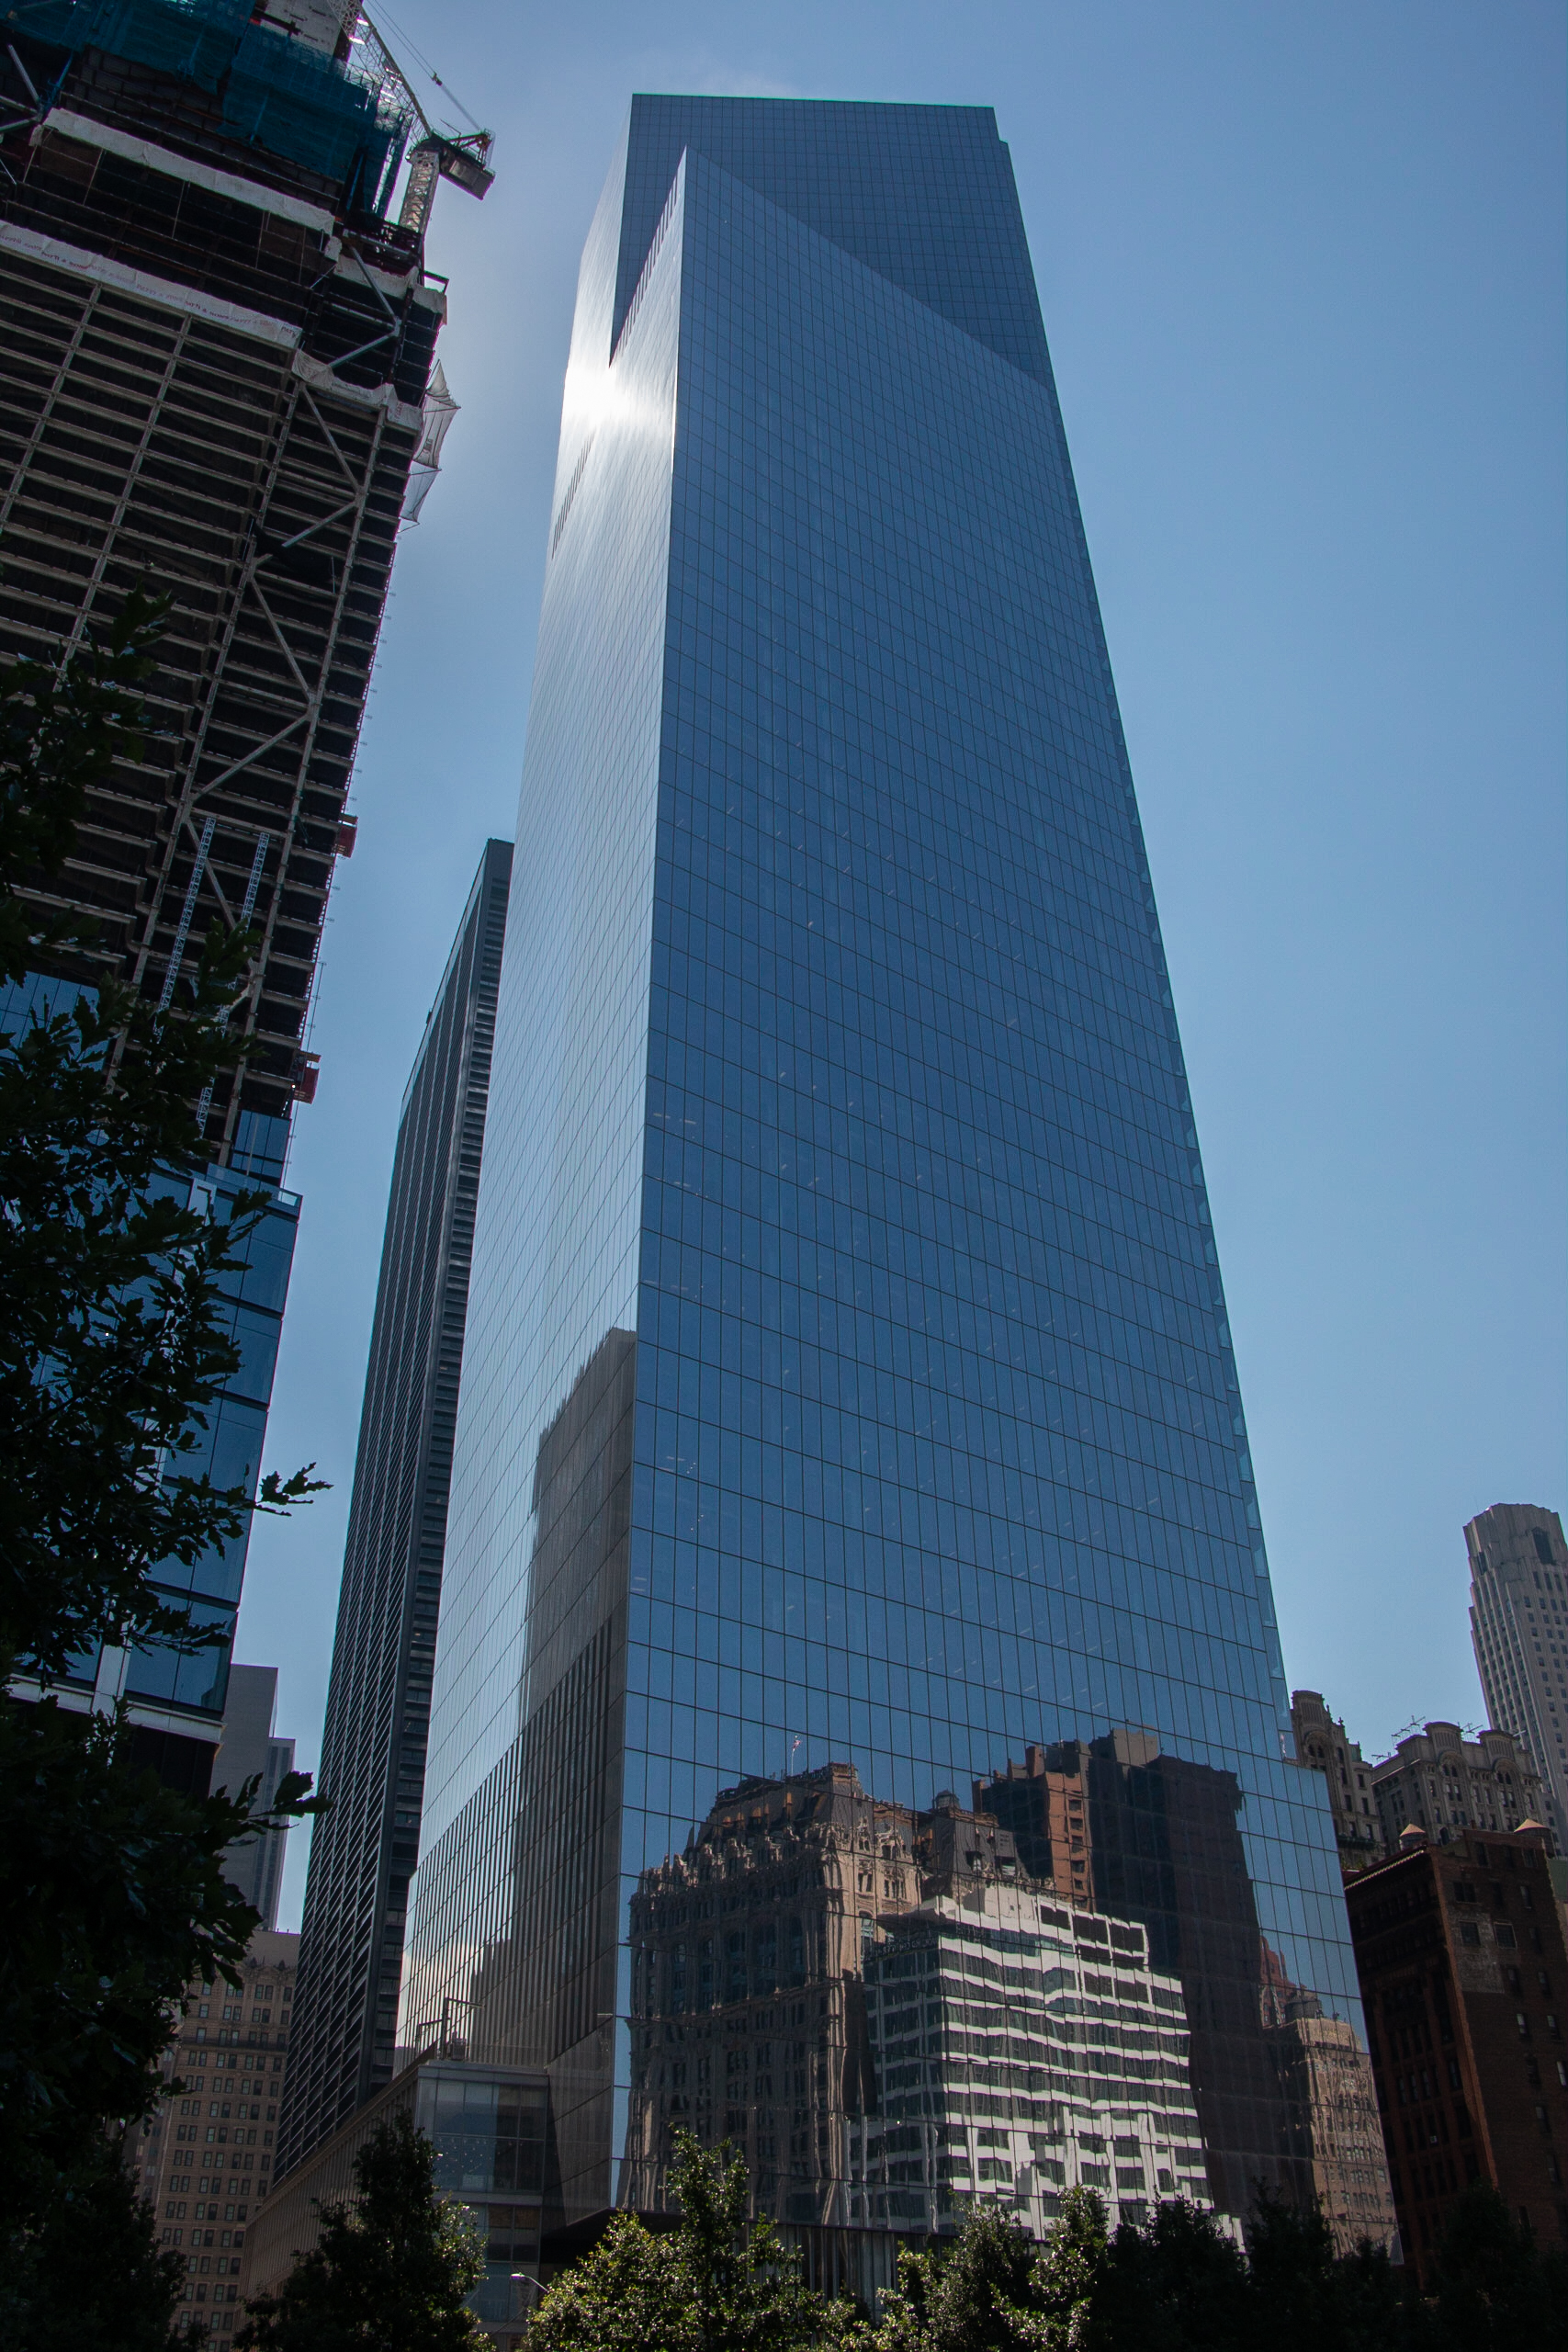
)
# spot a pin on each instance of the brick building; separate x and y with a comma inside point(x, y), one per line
point(204, 2157)
point(1460, 1949)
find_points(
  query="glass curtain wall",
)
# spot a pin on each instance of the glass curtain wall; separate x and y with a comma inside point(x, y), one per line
point(853, 1518)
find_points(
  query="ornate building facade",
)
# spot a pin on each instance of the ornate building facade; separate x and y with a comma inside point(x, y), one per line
point(748, 2018)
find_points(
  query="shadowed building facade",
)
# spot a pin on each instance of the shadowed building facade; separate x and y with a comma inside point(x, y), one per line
point(848, 1375)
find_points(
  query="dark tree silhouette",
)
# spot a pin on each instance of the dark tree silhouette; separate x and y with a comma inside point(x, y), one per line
point(391, 2268)
point(114, 1343)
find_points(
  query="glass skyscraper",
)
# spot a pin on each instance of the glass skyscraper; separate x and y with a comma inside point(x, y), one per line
point(364, 1845)
point(850, 1453)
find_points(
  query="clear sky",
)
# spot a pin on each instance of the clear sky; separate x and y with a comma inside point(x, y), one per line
point(1301, 271)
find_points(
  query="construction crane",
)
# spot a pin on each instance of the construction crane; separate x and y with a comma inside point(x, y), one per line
point(462, 157)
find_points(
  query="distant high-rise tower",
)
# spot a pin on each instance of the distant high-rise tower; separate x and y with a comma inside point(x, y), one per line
point(848, 1379)
point(365, 1846)
point(212, 383)
point(251, 1749)
point(1518, 1623)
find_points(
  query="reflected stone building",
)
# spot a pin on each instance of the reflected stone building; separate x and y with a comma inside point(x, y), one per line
point(748, 2021)
point(886, 2017)
point(848, 1371)
point(1331, 2098)
point(889, 2015)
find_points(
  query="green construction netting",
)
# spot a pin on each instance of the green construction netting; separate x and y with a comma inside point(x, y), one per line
point(197, 42)
point(295, 101)
point(278, 94)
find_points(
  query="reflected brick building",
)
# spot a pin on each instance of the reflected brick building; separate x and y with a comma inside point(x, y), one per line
point(1165, 1847)
point(1157, 1839)
point(1047, 1812)
point(881, 2009)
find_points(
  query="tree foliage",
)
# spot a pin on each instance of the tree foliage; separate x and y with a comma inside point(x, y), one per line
point(114, 1898)
point(113, 1344)
point(113, 1336)
point(391, 2267)
point(1179, 2282)
point(717, 2283)
point(95, 2275)
point(1493, 2288)
point(995, 2289)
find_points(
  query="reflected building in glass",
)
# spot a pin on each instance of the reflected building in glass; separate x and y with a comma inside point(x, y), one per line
point(849, 1405)
point(1020, 2049)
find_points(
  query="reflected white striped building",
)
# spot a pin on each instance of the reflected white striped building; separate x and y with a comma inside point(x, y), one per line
point(1019, 2048)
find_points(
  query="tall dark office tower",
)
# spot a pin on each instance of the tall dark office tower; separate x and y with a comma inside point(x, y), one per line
point(213, 368)
point(849, 1377)
point(364, 1848)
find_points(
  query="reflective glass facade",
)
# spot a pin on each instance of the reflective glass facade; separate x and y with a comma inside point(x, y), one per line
point(850, 1439)
point(228, 1450)
point(178, 1698)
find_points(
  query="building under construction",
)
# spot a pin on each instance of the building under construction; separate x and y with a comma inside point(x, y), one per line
point(216, 380)
point(215, 364)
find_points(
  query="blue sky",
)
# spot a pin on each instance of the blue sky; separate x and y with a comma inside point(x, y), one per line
point(1302, 273)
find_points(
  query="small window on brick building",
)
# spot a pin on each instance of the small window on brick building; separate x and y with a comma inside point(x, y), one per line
point(1542, 1546)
